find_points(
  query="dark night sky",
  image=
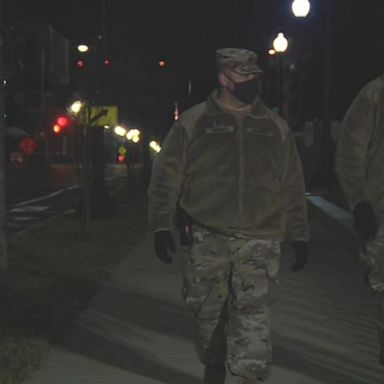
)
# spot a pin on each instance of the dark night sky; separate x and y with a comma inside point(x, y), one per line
point(188, 32)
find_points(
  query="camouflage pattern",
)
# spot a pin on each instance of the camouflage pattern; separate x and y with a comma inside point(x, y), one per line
point(226, 285)
point(372, 255)
point(361, 138)
point(239, 60)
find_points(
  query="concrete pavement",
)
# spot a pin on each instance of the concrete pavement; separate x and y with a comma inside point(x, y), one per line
point(138, 331)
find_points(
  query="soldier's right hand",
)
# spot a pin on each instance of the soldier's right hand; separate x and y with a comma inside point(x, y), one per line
point(365, 221)
point(163, 245)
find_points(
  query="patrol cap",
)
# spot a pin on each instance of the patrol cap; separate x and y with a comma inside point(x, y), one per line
point(239, 60)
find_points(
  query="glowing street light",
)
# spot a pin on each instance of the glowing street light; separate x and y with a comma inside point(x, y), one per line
point(133, 135)
point(155, 146)
point(82, 48)
point(301, 8)
point(76, 107)
point(120, 131)
point(280, 44)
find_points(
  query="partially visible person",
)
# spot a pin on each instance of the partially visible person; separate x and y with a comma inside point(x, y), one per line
point(360, 169)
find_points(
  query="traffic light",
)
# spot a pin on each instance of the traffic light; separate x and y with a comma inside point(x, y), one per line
point(120, 159)
point(57, 129)
point(60, 124)
point(162, 63)
point(80, 63)
point(176, 112)
point(106, 62)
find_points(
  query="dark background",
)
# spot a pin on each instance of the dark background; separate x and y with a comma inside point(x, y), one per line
point(138, 33)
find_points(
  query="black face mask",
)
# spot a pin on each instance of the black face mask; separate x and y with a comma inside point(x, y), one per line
point(246, 91)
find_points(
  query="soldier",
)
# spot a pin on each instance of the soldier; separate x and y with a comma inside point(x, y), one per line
point(360, 169)
point(230, 169)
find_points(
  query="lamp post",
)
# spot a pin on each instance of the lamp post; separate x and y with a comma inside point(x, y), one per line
point(95, 199)
point(189, 92)
point(280, 45)
point(301, 8)
point(3, 238)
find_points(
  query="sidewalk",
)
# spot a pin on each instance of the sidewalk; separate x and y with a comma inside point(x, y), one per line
point(138, 331)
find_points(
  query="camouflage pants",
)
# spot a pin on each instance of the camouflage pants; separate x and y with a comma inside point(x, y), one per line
point(226, 285)
point(372, 255)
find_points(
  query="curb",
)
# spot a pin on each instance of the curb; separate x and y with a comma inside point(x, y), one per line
point(336, 220)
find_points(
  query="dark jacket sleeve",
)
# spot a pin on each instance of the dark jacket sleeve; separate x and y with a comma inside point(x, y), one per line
point(166, 179)
point(352, 149)
point(293, 192)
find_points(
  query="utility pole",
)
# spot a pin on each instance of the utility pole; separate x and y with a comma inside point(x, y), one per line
point(327, 81)
point(103, 26)
point(281, 82)
point(100, 200)
point(189, 91)
point(3, 243)
point(95, 199)
point(85, 207)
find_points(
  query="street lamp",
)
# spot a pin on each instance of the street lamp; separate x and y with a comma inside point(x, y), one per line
point(155, 146)
point(280, 45)
point(82, 48)
point(75, 107)
point(133, 135)
point(301, 8)
point(120, 131)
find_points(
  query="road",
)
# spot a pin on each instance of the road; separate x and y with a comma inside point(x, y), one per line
point(37, 194)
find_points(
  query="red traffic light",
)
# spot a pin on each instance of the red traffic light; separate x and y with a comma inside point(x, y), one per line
point(120, 159)
point(61, 123)
point(80, 63)
point(162, 63)
point(106, 62)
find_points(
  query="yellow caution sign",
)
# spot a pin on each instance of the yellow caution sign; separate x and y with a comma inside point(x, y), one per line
point(106, 115)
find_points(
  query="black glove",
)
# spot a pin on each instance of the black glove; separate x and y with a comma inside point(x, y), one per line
point(163, 244)
point(301, 254)
point(364, 220)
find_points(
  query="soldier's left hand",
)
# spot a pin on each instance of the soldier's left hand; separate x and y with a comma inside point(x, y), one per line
point(301, 255)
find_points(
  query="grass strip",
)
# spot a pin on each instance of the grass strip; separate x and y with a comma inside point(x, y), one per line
point(55, 270)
